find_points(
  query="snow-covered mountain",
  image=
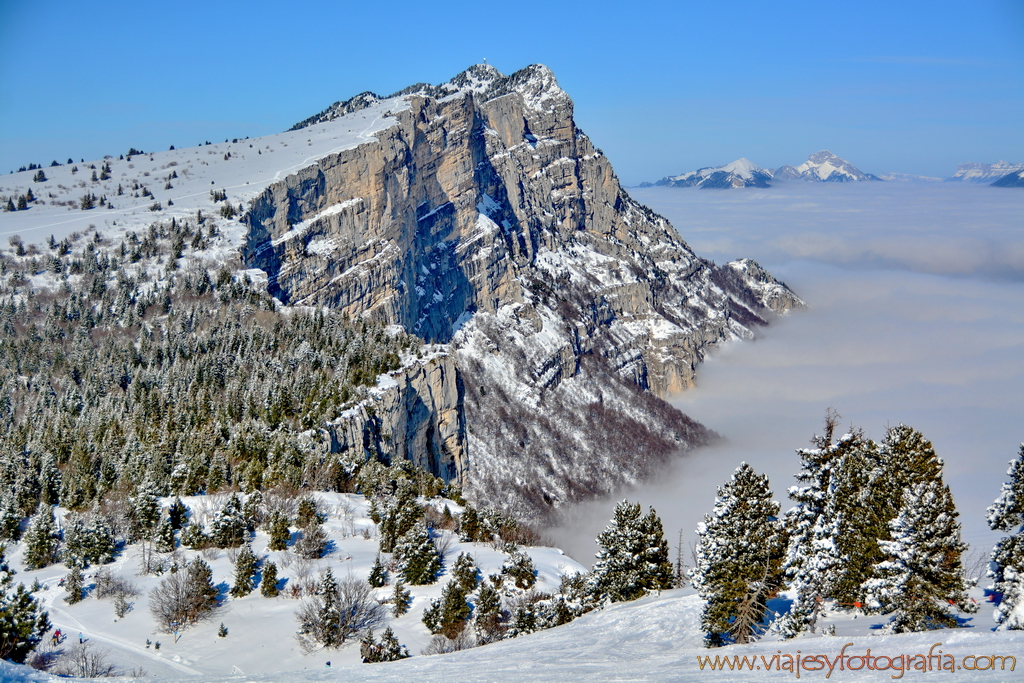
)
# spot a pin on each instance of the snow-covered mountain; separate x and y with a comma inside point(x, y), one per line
point(739, 173)
point(825, 167)
point(1012, 179)
point(475, 214)
point(984, 173)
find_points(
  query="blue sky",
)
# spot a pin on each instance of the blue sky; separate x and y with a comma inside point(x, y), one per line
point(906, 86)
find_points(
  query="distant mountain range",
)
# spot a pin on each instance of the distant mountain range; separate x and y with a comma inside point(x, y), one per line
point(826, 167)
point(821, 167)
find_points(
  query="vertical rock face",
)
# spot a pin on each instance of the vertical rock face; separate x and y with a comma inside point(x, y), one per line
point(486, 219)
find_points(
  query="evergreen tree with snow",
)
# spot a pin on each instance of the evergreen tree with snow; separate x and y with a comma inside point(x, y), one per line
point(228, 529)
point(633, 558)
point(42, 539)
point(419, 563)
point(73, 585)
point(400, 599)
point(144, 508)
point(312, 541)
point(922, 582)
point(378, 575)
point(470, 528)
point(448, 614)
point(815, 564)
point(1006, 568)
point(22, 622)
point(330, 619)
point(177, 514)
point(390, 649)
point(487, 613)
point(246, 565)
point(397, 514)
point(164, 536)
point(10, 519)
point(739, 557)
point(193, 536)
point(519, 567)
point(280, 534)
point(466, 572)
point(88, 542)
point(268, 584)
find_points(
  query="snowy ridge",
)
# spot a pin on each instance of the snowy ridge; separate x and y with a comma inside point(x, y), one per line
point(825, 167)
point(984, 173)
point(658, 638)
point(739, 173)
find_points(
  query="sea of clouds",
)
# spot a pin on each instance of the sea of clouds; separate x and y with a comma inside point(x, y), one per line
point(916, 295)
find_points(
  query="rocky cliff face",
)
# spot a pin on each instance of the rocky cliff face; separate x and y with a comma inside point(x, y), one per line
point(485, 219)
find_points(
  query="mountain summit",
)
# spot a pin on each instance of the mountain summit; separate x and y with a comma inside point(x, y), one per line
point(740, 173)
point(484, 219)
point(823, 167)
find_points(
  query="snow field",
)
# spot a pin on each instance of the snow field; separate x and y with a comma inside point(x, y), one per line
point(261, 631)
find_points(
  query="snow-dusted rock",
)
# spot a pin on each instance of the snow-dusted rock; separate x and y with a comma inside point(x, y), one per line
point(740, 173)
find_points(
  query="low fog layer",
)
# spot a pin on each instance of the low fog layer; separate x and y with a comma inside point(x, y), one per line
point(917, 296)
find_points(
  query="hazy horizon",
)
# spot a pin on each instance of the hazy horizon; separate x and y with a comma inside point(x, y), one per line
point(897, 331)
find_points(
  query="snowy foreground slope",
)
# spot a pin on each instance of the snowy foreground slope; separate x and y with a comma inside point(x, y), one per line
point(654, 639)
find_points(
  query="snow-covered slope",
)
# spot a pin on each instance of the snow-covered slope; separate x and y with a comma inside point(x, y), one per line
point(657, 638)
point(984, 173)
point(739, 173)
point(1012, 179)
point(242, 168)
point(261, 631)
point(823, 167)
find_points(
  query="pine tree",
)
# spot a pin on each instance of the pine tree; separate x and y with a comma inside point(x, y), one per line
point(466, 572)
point(814, 563)
point(22, 622)
point(633, 558)
point(519, 567)
point(923, 580)
point(228, 528)
point(202, 592)
point(164, 536)
point(419, 562)
point(280, 534)
point(313, 542)
point(391, 649)
point(245, 567)
point(193, 536)
point(448, 614)
point(378, 575)
point(488, 613)
point(309, 512)
point(73, 585)
point(400, 599)
point(145, 510)
point(268, 584)
point(10, 519)
point(469, 524)
point(252, 511)
point(177, 514)
point(330, 619)
point(398, 515)
point(1006, 568)
point(739, 555)
point(41, 539)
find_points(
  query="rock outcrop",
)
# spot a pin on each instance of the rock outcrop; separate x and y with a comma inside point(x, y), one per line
point(485, 219)
point(415, 413)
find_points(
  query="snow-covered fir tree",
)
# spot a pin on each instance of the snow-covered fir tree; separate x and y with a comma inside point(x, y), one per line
point(829, 513)
point(10, 519)
point(22, 620)
point(448, 614)
point(419, 563)
point(378, 575)
point(633, 558)
point(163, 537)
point(387, 650)
point(228, 529)
point(922, 582)
point(519, 568)
point(42, 539)
point(280, 534)
point(145, 509)
point(739, 557)
point(397, 514)
point(88, 541)
point(73, 585)
point(1006, 568)
point(268, 582)
point(246, 565)
point(466, 572)
point(400, 599)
